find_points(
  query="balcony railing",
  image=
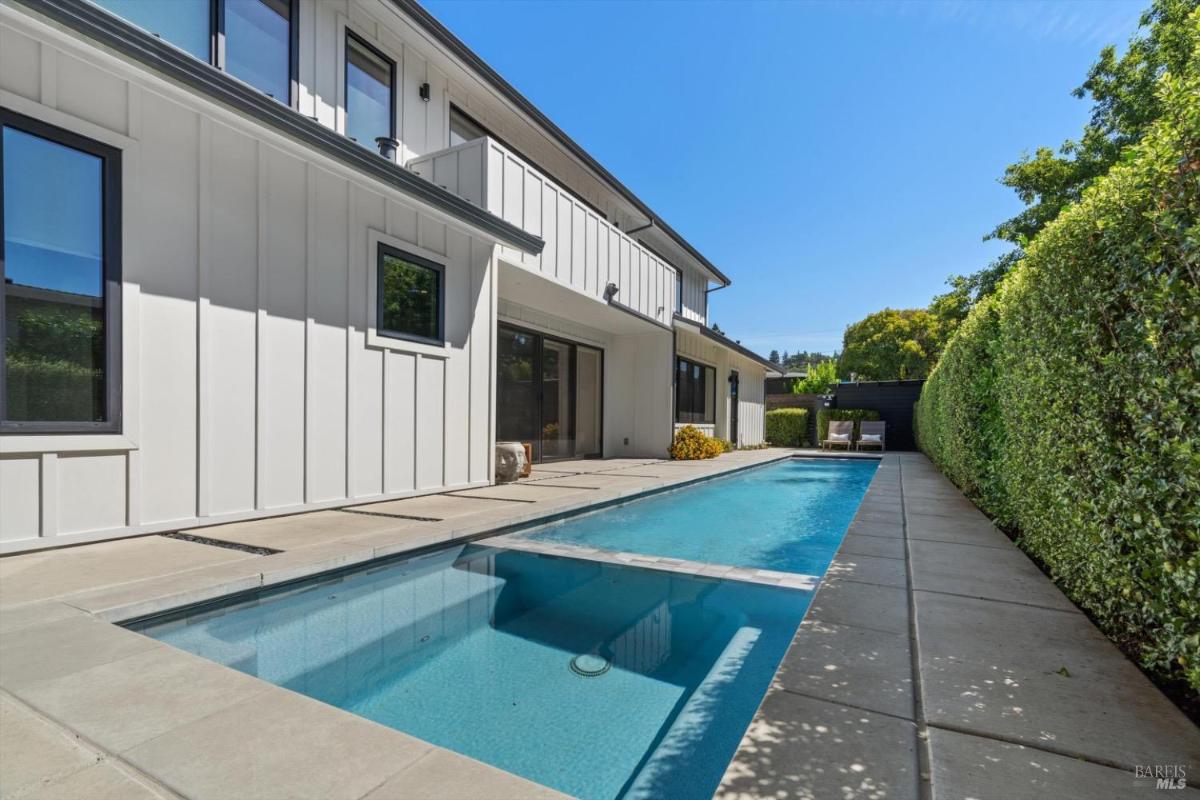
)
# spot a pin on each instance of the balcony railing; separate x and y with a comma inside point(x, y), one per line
point(583, 251)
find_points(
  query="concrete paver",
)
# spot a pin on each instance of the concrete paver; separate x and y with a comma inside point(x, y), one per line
point(967, 530)
point(521, 492)
point(106, 780)
point(879, 546)
point(68, 646)
point(433, 506)
point(986, 572)
point(123, 703)
point(1044, 678)
point(277, 744)
point(33, 752)
point(987, 769)
point(865, 605)
point(299, 530)
point(869, 569)
point(439, 774)
point(43, 575)
point(846, 664)
point(799, 747)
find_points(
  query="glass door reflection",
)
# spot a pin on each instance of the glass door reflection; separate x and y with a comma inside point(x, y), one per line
point(558, 439)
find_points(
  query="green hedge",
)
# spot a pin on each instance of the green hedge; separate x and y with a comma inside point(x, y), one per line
point(787, 427)
point(855, 415)
point(1068, 405)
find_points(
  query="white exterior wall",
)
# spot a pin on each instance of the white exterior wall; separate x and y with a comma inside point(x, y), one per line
point(251, 385)
point(695, 298)
point(751, 387)
point(583, 251)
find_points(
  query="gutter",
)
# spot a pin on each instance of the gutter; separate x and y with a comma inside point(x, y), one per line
point(456, 46)
point(205, 79)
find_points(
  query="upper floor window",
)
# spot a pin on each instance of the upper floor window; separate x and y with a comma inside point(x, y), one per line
point(60, 270)
point(370, 78)
point(464, 129)
point(253, 40)
point(695, 393)
point(409, 296)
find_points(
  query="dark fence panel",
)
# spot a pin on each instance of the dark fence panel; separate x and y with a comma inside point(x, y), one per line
point(894, 402)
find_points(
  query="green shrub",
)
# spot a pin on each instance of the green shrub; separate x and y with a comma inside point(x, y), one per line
point(787, 427)
point(726, 445)
point(691, 443)
point(855, 415)
point(1068, 405)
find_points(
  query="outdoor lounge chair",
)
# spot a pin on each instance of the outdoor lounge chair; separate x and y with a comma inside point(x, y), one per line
point(872, 434)
point(840, 434)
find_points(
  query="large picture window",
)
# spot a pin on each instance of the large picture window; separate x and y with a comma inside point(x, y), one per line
point(695, 393)
point(253, 40)
point(60, 223)
point(409, 296)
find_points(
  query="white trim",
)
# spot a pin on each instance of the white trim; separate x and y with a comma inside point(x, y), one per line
point(65, 443)
point(374, 338)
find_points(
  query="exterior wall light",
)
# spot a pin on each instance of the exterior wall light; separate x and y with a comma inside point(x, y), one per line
point(424, 92)
point(610, 292)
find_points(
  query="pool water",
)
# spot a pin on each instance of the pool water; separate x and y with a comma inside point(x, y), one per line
point(788, 517)
point(596, 679)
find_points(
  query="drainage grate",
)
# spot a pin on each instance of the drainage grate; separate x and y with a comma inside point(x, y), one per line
point(245, 548)
point(590, 665)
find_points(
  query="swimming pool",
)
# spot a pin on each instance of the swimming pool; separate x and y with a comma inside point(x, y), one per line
point(788, 517)
point(599, 680)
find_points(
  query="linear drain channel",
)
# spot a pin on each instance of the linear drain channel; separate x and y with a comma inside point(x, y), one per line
point(590, 665)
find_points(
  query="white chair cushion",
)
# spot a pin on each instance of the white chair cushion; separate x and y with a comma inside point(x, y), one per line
point(871, 437)
point(839, 437)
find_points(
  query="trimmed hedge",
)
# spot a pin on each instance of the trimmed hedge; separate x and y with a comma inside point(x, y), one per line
point(855, 415)
point(787, 427)
point(1068, 404)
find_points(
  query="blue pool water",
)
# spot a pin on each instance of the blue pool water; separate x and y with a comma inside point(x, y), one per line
point(788, 517)
point(471, 648)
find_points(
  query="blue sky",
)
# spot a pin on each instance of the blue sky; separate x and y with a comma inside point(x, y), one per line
point(832, 158)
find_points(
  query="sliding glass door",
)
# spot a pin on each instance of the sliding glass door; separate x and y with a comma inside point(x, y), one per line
point(548, 394)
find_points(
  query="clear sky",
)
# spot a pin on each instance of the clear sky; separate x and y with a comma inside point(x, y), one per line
point(832, 158)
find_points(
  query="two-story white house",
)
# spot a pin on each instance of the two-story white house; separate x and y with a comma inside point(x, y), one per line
point(267, 256)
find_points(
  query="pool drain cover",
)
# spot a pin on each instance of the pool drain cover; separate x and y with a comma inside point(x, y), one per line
point(590, 665)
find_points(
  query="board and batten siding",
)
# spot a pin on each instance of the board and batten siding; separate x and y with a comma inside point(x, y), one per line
point(695, 298)
point(250, 387)
point(751, 382)
point(583, 251)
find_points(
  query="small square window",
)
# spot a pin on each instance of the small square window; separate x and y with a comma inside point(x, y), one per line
point(409, 295)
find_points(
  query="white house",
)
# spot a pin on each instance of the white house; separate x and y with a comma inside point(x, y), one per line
point(266, 256)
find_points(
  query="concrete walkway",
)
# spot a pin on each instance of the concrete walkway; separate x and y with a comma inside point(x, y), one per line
point(937, 661)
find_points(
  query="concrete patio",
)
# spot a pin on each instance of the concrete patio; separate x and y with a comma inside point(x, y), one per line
point(935, 661)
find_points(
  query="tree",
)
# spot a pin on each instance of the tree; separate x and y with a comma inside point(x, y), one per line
point(892, 344)
point(1124, 104)
point(774, 357)
point(820, 379)
point(952, 307)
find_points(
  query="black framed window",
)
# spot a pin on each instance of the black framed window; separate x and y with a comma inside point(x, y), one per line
point(695, 393)
point(370, 89)
point(463, 129)
point(253, 40)
point(409, 296)
point(60, 280)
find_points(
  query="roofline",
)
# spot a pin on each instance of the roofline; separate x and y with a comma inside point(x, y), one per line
point(468, 56)
point(150, 51)
point(724, 340)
